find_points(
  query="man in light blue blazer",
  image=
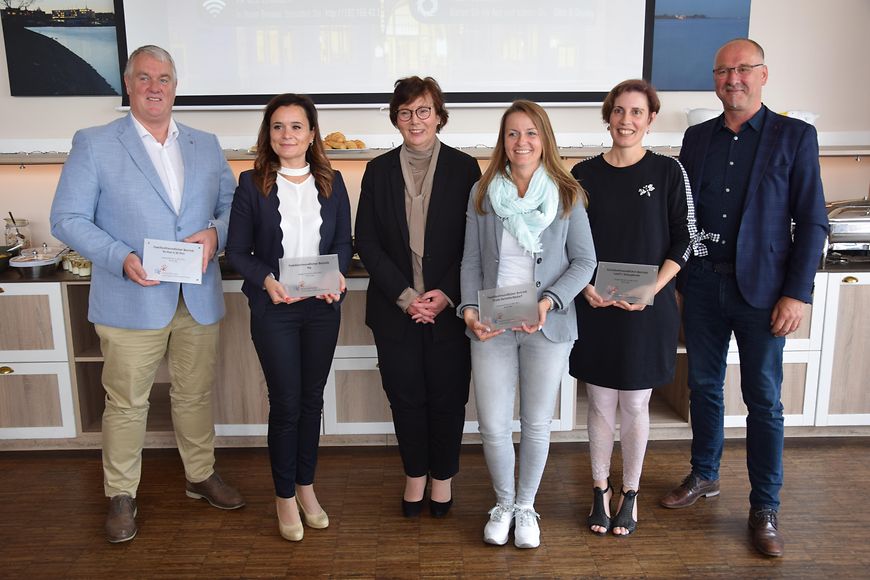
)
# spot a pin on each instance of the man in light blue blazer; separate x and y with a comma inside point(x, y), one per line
point(145, 176)
point(761, 212)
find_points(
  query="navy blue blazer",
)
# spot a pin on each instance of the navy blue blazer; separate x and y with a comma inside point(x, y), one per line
point(254, 239)
point(785, 184)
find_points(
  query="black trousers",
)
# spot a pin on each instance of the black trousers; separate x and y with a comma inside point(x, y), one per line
point(426, 382)
point(295, 344)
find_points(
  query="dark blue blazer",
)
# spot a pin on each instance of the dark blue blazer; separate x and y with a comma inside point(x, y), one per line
point(254, 239)
point(784, 185)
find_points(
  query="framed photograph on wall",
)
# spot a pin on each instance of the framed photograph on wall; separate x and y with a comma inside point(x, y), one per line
point(61, 47)
point(686, 34)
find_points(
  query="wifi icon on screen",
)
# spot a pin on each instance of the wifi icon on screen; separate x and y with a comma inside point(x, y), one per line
point(214, 7)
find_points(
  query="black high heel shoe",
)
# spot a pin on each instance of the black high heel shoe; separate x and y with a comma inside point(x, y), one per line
point(625, 517)
point(439, 509)
point(599, 516)
point(411, 509)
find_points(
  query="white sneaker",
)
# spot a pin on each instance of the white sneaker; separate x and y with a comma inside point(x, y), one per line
point(501, 519)
point(527, 533)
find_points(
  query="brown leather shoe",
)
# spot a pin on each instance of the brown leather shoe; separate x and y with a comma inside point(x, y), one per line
point(216, 492)
point(121, 519)
point(692, 488)
point(765, 535)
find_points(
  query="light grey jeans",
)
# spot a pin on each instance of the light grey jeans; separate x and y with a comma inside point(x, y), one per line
point(496, 366)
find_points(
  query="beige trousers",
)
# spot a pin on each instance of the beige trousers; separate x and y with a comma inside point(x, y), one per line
point(132, 358)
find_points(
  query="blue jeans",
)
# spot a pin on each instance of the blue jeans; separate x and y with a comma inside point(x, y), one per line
point(713, 308)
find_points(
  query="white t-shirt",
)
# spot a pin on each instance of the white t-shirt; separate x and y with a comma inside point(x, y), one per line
point(515, 265)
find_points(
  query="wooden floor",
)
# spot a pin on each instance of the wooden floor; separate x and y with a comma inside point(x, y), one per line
point(52, 510)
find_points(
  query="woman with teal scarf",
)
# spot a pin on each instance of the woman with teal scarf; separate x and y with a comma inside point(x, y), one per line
point(526, 224)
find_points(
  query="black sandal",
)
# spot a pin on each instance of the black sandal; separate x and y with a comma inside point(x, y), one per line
point(599, 517)
point(625, 517)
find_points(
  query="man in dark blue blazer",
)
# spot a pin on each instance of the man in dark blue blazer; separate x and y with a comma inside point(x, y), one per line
point(753, 174)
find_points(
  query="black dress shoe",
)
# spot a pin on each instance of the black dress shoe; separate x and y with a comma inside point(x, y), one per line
point(766, 536)
point(439, 509)
point(411, 509)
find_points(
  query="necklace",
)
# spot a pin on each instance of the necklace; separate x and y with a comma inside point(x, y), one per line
point(295, 171)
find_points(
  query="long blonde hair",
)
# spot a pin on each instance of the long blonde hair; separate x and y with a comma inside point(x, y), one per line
point(569, 190)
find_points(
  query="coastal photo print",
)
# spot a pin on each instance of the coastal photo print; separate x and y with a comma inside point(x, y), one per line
point(686, 35)
point(60, 47)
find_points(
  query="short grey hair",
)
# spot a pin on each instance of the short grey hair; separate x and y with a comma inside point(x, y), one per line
point(154, 52)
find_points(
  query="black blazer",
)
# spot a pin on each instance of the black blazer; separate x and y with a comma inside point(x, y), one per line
point(254, 239)
point(383, 244)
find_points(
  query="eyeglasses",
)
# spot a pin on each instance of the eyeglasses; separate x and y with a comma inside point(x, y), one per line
point(743, 69)
point(421, 112)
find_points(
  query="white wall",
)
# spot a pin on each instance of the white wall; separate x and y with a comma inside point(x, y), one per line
point(816, 54)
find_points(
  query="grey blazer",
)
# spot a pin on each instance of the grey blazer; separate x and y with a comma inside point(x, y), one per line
point(562, 269)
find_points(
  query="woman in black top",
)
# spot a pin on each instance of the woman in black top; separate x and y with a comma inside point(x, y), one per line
point(640, 213)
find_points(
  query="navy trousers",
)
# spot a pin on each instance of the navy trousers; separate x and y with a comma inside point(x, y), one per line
point(295, 344)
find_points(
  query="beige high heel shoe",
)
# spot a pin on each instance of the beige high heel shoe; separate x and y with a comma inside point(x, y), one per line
point(317, 521)
point(290, 532)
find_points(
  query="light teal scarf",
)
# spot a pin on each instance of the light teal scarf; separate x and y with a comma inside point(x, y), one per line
point(528, 216)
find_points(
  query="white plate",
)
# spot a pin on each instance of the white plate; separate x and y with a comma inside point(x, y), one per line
point(348, 150)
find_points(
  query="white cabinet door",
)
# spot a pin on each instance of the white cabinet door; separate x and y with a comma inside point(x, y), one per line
point(32, 322)
point(36, 401)
point(844, 396)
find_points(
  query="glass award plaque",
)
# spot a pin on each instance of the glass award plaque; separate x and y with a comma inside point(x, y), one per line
point(633, 283)
point(310, 276)
point(509, 306)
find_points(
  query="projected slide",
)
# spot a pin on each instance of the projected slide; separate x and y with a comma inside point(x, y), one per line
point(353, 50)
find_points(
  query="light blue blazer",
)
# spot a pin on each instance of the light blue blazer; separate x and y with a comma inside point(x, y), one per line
point(110, 198)
point(562, 269)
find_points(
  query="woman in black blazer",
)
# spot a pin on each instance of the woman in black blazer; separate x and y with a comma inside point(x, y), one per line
point(291, 205)
point(410, 228)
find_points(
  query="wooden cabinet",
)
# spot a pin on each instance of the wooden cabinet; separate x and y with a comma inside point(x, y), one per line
point(354, 401)
point(240, 398)
point(844, 396)
point(35, 392)
point(239, 395)
point(801, 361)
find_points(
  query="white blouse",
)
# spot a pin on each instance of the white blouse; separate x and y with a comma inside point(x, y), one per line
point(515, 264)
point(300, 217)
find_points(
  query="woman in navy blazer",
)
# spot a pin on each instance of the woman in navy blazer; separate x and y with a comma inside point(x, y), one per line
point(291, 205)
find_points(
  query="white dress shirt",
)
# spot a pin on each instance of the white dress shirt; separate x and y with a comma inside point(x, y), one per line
point(300, 217)
point(166, 158)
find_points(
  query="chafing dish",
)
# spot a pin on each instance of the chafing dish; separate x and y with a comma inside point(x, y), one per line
point(849, 236)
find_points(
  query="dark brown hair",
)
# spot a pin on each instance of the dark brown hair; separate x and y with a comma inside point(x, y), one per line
point(569, 190)
point(410, 88)
point(631, 86)
point(266, 163)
